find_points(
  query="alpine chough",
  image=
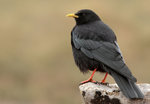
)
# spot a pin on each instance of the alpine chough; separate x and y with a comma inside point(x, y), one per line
point(95, 48)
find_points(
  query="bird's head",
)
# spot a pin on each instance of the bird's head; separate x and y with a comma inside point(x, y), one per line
point(84, 16)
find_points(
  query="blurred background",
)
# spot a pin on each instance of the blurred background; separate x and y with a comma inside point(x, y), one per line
point(36, 62)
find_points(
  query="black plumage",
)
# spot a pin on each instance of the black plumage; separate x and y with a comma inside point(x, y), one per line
point(94, 45)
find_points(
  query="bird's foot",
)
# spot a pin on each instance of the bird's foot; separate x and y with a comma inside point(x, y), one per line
point(104, 83)
point(89, 80)
point(101, 83)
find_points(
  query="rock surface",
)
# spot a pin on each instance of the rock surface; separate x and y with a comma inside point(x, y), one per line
point(97, 93)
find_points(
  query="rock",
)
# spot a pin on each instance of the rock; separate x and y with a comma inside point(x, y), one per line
point(97, 93)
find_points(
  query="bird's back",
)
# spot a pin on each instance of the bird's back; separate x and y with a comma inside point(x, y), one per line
point(96, 31)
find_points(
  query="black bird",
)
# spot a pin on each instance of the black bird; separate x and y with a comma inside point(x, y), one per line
point(95, 48)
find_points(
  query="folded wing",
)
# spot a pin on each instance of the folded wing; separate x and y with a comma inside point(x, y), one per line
point(107, 53)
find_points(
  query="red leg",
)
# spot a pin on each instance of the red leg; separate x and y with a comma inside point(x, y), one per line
point(103, 81)
point(90, 79)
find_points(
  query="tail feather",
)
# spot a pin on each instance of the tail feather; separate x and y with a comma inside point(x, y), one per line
point(138, 91)
point(127, 86)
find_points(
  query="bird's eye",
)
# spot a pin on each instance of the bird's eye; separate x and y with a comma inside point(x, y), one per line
point(82, 14)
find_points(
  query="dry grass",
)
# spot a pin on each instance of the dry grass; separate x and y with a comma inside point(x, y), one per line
point(36, 63)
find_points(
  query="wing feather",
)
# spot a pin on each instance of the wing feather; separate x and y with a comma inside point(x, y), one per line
point(106, 52)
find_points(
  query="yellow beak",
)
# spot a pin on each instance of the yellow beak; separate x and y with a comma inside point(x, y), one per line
point(72, 15)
